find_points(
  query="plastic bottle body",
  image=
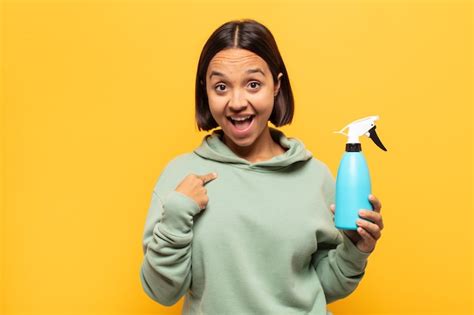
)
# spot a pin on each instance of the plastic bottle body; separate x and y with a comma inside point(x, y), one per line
point(352, 190)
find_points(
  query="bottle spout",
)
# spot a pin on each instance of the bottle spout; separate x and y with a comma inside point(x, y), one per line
point(362, 127)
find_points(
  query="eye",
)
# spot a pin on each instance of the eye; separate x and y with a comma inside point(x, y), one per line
point(219, 89)
point(254, 84)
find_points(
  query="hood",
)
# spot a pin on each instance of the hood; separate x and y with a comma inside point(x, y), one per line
point(213, 148)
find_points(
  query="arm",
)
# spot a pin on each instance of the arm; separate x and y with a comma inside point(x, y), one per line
point(340, 265)
point(166, 268)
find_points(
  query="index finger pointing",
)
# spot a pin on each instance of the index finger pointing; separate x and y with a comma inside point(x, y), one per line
point(208, 177)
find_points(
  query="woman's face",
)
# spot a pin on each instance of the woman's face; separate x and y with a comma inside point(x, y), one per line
point(241, 94)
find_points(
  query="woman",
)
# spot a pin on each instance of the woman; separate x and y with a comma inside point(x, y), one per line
point(244, 223)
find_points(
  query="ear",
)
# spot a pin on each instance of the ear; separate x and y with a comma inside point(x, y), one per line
point(277, 87)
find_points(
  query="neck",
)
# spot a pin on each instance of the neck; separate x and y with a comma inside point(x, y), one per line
point(264, 148)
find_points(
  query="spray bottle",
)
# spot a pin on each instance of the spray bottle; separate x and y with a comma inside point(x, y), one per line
point(353, 179)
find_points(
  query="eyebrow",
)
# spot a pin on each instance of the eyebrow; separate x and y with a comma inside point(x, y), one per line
point(255, 70)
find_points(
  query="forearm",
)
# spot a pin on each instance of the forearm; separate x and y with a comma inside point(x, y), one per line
point(166, 268)
point(341, 269)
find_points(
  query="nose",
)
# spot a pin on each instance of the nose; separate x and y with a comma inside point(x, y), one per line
point(238, 101)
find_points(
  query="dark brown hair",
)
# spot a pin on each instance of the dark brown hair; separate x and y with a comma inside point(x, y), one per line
point(250, 35)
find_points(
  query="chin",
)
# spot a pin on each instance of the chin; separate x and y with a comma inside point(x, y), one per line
point(241, 142)
point(245, 142)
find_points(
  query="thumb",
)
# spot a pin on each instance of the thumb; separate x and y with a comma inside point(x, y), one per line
point(332, 207)
point(208, 177)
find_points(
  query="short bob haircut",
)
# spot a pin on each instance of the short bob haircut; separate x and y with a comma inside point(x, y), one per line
point(250, 35)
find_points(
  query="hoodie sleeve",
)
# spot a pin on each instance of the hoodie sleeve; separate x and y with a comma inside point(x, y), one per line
point(166, 268)
point(340, 265)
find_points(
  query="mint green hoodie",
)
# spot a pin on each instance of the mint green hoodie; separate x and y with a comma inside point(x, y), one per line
point(265, 244)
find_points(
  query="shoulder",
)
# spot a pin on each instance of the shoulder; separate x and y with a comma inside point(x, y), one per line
point(325, 179)
point(180, 164)
point(319, 166)
point(174, 172)
point(180, 161)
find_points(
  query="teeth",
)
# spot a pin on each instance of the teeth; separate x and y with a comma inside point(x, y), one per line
point(240, 118)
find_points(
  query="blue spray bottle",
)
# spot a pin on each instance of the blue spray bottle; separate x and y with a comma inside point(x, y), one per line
point(353, 179)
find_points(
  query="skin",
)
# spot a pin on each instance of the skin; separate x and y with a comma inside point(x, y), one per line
point(193, 187)
point(236, 92)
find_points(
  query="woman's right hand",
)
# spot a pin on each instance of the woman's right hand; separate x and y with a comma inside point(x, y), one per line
point(193, 187)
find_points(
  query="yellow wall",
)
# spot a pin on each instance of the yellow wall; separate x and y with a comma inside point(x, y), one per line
point(98, 97)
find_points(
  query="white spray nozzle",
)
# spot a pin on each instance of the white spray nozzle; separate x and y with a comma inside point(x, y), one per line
point(361, 127)
point(358, 128)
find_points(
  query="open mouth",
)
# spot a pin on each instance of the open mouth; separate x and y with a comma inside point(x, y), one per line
point(241, 123)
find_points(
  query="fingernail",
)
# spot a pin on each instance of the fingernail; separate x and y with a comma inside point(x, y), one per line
point(362, 212)
point(215, 174)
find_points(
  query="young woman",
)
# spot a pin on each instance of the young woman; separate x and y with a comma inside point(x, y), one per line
point(244, 223)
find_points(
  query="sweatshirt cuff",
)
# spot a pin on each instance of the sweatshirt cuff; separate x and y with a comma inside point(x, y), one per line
point(178, 213)
point(351, 260)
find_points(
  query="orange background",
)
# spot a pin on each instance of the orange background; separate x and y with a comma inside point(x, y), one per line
point(97, 96)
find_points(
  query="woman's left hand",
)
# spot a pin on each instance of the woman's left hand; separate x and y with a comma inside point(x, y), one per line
point(368, 233)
